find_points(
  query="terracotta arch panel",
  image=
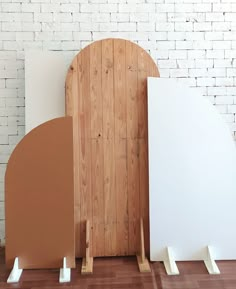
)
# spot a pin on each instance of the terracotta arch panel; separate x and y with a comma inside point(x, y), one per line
point(106, 94)
point(39, 197)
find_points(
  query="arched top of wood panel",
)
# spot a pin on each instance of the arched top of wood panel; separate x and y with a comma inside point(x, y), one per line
point(39, 197)
point(90, 54)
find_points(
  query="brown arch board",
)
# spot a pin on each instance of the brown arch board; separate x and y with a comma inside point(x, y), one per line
point(106, 94)
point(40, 198)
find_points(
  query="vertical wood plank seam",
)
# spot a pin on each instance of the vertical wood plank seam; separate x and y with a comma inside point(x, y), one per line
point(90, 160)
point(137, 95)
point(139, 137)
point(76, 141)
point(103, 163)
point(92, 186)
point(114, 135)
point(103, 182)
point(102, 138)
point(104, 197)
point(127, 152)
point(126, 144)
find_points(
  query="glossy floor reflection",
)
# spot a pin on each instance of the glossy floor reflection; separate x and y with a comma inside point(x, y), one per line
point(122, 273)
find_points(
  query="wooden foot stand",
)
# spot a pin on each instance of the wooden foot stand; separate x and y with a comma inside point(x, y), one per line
point(87, 262)
point(143, 263)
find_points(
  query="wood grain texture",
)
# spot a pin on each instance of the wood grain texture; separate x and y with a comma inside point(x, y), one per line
point(110, 198)
point(39, 197)
point(143, 187)
point(97, 156)
point(122, 225)
point(96, 94)
point(120, 89)
point(87, 262)
point(109, 97)
point(98, 196)
point(71, 108)
point(108, 136)
point(84, 146)
point(132, 90)
point(133, 195)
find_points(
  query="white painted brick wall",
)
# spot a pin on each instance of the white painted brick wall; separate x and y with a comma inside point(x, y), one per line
point(193, 40)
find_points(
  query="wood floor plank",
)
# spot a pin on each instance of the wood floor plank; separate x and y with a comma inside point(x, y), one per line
point(123, 273)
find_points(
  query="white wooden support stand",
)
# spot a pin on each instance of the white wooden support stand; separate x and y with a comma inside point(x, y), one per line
point(169, 263)
point(210, 263)
point(64, 273)
point(15, 272)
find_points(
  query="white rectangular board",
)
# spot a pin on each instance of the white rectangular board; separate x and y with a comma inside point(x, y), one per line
point(192, 175)
point(45, 73)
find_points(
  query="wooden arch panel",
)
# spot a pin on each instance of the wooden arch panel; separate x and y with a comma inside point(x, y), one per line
point(40, 198)
point(106, 94)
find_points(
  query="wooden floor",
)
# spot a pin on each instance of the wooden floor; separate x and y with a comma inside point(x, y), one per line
point(122, 273)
